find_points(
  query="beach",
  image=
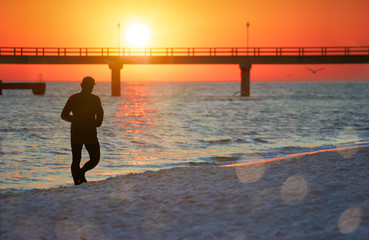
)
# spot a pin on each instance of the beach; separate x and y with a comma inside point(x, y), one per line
point(322, 195)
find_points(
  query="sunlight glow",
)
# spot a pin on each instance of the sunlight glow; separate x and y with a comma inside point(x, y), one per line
point(137, 35)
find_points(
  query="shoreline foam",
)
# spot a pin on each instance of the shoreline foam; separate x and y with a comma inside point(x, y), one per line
point(322, 195)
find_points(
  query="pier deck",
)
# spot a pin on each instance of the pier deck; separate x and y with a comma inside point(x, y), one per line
point(244, 57)
point(37, 88)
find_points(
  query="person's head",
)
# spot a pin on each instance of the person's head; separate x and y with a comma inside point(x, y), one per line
point(88, 84)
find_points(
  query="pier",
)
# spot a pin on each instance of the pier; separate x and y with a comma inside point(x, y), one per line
point(116, 58)
point(37, 88)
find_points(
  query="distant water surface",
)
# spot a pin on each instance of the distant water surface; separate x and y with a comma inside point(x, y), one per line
point(163, 125)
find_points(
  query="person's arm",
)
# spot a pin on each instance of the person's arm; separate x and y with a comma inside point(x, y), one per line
point(65, 115)
point(99, 113)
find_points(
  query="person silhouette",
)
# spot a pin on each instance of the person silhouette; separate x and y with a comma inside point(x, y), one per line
point(87, 115)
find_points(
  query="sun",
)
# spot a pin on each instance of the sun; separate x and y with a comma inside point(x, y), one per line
point(137, 35)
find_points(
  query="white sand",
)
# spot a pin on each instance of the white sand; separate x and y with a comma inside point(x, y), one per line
point(319, 196)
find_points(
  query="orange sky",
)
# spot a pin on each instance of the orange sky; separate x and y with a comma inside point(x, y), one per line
point(190, 23)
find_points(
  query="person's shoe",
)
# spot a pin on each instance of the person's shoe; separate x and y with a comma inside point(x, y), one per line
point(82, 179)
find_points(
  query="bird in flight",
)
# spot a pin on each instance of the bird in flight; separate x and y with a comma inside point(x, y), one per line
point(314, 71)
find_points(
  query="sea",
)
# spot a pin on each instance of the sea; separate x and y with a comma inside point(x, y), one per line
point(157, 125)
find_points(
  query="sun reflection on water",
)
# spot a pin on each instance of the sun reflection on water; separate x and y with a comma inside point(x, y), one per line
point(137, 117)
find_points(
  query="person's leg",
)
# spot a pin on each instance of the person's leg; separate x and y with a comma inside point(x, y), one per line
point(75, 168)
point(94, 152)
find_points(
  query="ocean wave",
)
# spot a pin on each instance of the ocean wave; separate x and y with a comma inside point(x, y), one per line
point(202, 164)
point(217, 140)
point(224, 159)
point(260, 140)
point(222, 140)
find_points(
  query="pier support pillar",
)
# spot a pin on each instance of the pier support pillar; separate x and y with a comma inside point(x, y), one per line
point(245, 79)
point(115, 78)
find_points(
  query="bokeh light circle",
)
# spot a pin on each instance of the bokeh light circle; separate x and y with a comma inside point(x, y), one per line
point(294, 189)
point(348, 133)
point(249, 170)
point(349, 220)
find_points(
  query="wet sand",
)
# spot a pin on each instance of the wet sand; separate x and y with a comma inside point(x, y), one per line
point(324, 195)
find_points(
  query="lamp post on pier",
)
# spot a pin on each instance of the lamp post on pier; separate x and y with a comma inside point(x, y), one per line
point(247, 26)
point(245, 68)
point(119, 38)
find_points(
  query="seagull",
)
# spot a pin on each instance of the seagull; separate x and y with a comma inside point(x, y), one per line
point(314, 71)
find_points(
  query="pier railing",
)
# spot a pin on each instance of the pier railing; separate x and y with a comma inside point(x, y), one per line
point(222, 51)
